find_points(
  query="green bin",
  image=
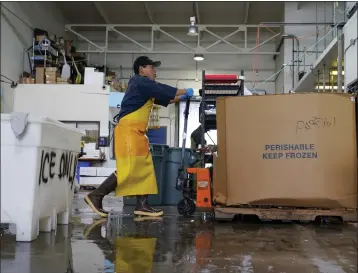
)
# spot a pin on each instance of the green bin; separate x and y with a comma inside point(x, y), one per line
point(159, 156)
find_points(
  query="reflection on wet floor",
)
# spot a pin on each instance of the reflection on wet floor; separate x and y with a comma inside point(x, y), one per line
point(175, 244)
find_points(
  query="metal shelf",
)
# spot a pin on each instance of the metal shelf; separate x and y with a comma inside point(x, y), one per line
point(208, 122)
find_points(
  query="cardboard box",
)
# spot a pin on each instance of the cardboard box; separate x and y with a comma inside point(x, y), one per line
point(40, 75)
point(27, 80)
point(40, 37)
point(287, 150)
point(51, 69)
point(51, 77)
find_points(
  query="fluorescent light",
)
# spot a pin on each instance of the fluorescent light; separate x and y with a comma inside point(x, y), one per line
point(335, 72)
point(198, 57)
point(320, 87)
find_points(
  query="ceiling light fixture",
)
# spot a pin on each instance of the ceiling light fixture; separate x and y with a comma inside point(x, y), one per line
point(327, 87)
point(335, 72)
point(199, 57)
point(193, 29)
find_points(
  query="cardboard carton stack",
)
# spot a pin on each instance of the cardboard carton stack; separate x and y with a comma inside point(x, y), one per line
point(51, 75)
point(46, 75)
point(294, 150)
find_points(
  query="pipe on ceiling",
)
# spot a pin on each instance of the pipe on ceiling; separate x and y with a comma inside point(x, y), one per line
point(293, 38)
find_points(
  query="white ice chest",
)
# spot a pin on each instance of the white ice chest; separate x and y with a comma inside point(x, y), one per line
point(38, 175)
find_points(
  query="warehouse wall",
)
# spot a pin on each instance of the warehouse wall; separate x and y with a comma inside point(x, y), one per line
point(16, 35)
point(304, 12)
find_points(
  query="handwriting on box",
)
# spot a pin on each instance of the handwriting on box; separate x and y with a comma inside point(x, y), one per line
point(315, 122)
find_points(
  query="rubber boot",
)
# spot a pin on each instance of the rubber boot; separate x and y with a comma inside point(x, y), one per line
point(143, 209)
point(94, 199)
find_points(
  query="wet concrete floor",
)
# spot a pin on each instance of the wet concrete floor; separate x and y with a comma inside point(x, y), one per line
point(180, 245)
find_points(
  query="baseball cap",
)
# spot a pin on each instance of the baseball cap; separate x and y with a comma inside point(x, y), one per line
point(143, 61)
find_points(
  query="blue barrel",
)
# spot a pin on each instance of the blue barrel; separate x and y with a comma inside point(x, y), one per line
point(79, 165)
point(159, 156)
point(170, 195)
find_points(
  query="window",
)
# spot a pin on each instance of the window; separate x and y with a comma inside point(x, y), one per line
point(91, 129)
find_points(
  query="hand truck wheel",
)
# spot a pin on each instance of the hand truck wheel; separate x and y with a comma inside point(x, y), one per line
point(186, 207)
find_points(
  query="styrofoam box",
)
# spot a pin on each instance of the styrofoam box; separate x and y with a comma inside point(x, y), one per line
point(105, 172)
point(91, 180)
point(38, 173)
point(88, 171)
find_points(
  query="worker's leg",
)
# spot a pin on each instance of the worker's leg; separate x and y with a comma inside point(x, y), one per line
point(94, 199)
point(142, 207)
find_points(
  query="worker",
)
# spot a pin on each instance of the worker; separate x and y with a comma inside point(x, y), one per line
point(195, 138)
point(135, 174)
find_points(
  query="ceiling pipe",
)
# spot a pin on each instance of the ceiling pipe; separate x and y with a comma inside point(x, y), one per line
point(293, 38)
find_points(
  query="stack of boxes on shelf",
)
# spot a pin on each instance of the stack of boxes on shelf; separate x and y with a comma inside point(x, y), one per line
point(91, 176)
point(47, 75)
point(51, 75)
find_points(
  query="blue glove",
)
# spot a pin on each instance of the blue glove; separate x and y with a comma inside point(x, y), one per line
point(189, 92)
point(183, 97)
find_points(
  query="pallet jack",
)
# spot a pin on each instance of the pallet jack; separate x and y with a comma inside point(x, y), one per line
point(195, 183)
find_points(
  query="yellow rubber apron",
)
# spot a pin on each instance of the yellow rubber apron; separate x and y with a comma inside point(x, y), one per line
point(134, 255)
point(135, 170)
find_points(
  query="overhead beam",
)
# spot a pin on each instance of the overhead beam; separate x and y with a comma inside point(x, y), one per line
point(265, 42)
point(150, 16)
point(224, 39)
point(180, 52)
point(176, 39)
point(247, 10)
point(101, 11)
point(298, 5)
point(104, 15)
point(184, 25)
point(149, 13)
point(69, 28)
point(129, 38)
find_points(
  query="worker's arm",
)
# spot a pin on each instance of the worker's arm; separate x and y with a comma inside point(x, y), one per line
point(162, 93)
point(176, 99)
point(182, 94)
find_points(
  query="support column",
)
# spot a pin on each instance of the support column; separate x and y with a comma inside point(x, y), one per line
point(340, 58)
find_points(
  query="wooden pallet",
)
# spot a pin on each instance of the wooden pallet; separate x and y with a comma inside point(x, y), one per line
point(285, 214)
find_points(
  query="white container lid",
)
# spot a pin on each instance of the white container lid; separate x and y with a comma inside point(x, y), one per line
point(43, 120)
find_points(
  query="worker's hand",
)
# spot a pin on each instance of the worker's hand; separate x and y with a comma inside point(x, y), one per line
point(189, 92)
point(183, 97)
